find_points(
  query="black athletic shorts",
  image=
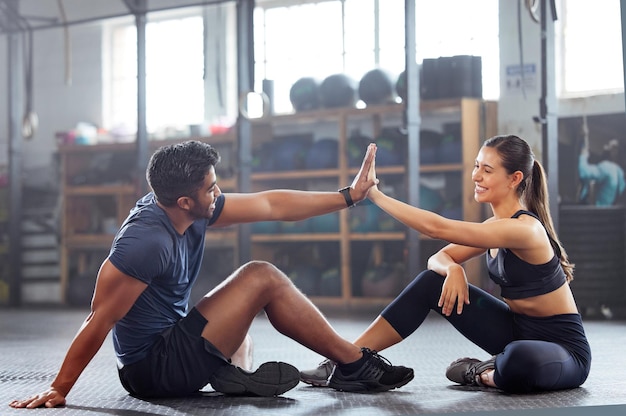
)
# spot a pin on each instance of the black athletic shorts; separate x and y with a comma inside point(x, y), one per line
point(179, 363)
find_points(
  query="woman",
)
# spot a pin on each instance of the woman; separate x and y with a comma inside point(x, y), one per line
point(535, 333)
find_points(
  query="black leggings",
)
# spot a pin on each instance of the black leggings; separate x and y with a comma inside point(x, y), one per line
point(532, 354)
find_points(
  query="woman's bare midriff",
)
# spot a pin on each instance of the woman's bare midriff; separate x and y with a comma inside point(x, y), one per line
point(558, 302)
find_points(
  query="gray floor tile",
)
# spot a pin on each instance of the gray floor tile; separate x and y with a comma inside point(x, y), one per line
point(33, 343)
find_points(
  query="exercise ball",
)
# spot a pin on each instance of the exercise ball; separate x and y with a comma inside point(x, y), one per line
point(376, 87)
point(356, 147)
point(430, 147)
point(383, 280)
point(323, 154)
point(338, 90)
point(304, 94)
point(328, 223)
point(306, 278)
point(391, 147)
point(294, 227)
point(263, 158)
point(364, 217)
point(450, 149)
point(387, 223)
point(401, 86)
point(430, 199)
point(289, 153)
point(265, 227)
point(330, 282)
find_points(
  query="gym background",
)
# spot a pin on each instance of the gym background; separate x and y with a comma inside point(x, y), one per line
point(70, 72)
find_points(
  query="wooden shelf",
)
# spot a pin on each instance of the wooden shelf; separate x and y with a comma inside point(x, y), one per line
point(378, 236)
point(94, 190)
point(476, 119)
point(295, 174)
point(219, 238)
point(89, 241)
point(105, 147)
point(93, 207)
point(452, 105)
point(290, 238)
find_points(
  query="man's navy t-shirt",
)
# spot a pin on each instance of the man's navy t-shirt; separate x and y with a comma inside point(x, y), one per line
point(148, 248)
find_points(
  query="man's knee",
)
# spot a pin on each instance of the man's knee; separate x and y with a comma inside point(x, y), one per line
point(262, 272)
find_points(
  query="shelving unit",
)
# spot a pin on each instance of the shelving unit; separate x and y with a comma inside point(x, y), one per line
point(350, 258)
point(92, 203)
point(356, 257)
point(99, 185)
point(4, 244)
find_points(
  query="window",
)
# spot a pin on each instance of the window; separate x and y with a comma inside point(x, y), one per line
point(590, 38)
point(319, 38)
point(471, 29)
point(291, 42)
point(174, 75)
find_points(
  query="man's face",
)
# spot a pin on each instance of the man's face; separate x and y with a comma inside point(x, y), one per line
point(204, 200)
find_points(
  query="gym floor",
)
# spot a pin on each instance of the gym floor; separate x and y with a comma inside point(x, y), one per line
point(33, 343)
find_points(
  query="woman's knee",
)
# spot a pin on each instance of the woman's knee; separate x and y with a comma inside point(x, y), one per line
point(427, 282)
point(409, 309)
point(527, 365)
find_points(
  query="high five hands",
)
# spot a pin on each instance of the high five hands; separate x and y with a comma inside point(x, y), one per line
point(365, 179)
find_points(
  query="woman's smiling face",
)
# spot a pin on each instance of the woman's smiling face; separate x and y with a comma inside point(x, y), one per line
point(491, 180)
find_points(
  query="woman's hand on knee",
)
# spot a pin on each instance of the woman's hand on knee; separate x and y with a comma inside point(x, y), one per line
point(455, 290)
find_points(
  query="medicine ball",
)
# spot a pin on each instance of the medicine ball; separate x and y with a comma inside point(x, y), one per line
point(330, 282)
point(304, 94)
point(364, 217)
point(328, 223)
point(452, 210)
point(383, 280)
point(430, 146)
point(356, 147)
point(265, 227)
point(428, 81)
point(290, 152)
point(376, 87)
point(391, 147)
point(306, 278)
point(432, 75)
point(430, 199)
point(295, 227)
point(80, 290)
point(263, 158)
point(450, 149)
point(338, 90)
point(388, 223)
point(323, 154)
point(401, 86)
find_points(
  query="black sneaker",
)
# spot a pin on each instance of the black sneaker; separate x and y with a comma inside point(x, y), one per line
point(270, 379)
point(466, 371)
point(376, 374)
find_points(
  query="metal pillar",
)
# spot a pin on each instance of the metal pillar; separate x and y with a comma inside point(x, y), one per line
point(16, 106)
point(548, 107)
point(245, 78)
point(413, 122)
point(623, 14)
point(140, 12)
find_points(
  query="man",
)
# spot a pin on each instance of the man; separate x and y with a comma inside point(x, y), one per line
point(606, 176)
point(166, 349)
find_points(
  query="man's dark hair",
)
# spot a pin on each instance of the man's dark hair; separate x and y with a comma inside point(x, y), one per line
point(179, 170)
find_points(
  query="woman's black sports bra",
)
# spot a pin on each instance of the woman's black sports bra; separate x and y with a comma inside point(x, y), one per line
point(519, 279)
